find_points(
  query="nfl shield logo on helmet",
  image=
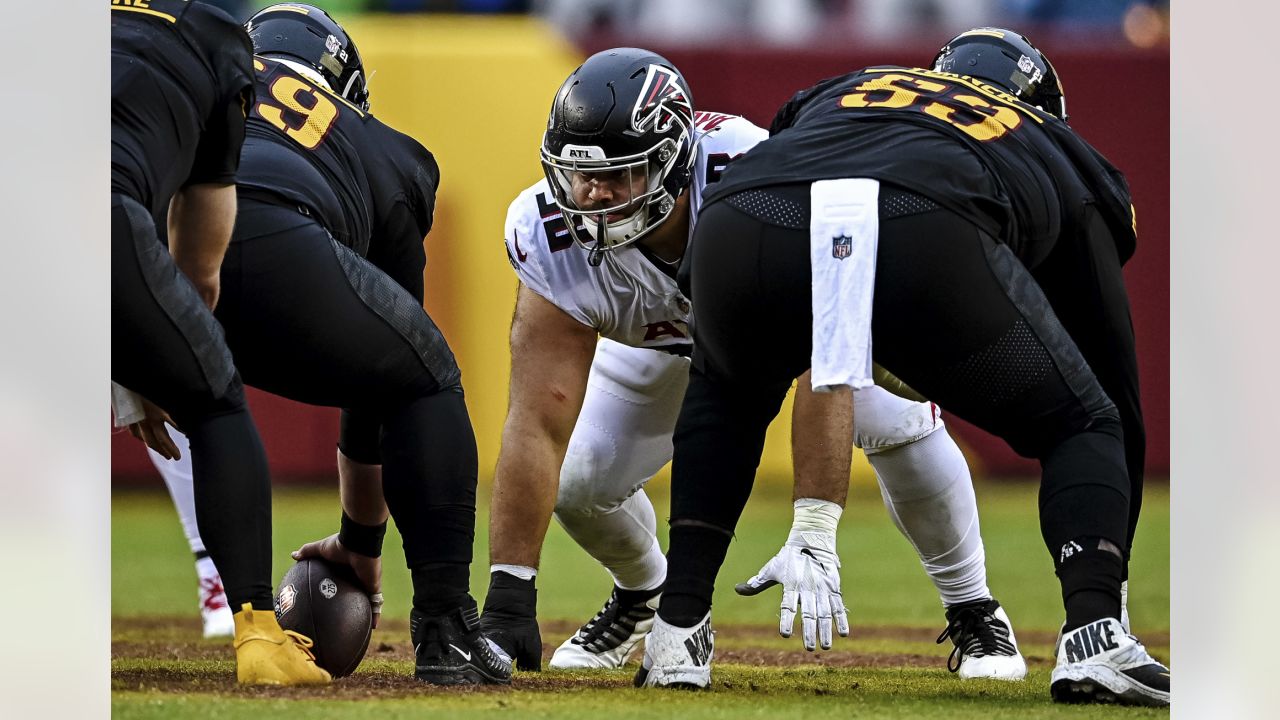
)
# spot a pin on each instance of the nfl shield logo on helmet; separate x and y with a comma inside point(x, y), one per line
point(841, 247)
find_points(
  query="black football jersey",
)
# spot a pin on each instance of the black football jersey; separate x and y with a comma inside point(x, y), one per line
point(181, 82)
point(1017, 172)
point(371, 187)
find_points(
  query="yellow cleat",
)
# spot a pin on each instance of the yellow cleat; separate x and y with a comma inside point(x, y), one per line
point(268, 655)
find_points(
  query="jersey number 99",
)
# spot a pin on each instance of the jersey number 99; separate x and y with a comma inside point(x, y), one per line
point(317, 112)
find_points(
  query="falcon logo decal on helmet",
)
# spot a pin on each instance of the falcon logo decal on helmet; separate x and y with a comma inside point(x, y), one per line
point(663, 101)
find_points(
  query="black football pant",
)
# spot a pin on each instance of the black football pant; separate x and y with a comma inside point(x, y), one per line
point(1083, 281)
point(956, 316)
point(312, 321)
point(166, 345)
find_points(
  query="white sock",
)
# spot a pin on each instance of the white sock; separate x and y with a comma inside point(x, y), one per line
point(205, 568)
point(928, 492)
point(523, 572)
point(177, 477)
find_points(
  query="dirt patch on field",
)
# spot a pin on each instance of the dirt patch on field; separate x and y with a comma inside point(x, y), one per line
point(364, 684)
point(157, 654)
point(829, 658)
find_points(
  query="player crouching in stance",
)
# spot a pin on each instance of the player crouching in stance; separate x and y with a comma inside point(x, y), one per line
point(323, 305)
point(600, 344)
point(181, 81)
point(952, 215)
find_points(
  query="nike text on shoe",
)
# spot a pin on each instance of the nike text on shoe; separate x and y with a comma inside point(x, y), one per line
point(677, 657)
point(451, 650)
point(1101, 662)
point(985, 646)
point(607, 640)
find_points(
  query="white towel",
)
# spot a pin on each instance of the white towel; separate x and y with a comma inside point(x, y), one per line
point(126, 405)
point(843, 233)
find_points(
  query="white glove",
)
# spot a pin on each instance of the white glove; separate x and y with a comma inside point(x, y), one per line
point(808, 569)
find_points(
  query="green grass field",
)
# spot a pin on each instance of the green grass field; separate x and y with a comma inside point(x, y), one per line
point(889, 667)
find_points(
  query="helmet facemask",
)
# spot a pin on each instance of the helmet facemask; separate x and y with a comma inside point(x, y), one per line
point(637, 197)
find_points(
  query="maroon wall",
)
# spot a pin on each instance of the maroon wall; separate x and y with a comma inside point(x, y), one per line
point(301, 443)
point(1118, 99)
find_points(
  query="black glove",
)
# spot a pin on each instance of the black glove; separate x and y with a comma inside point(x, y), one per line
point(510, 619)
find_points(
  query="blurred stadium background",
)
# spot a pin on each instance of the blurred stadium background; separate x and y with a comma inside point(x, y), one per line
point(473, 79)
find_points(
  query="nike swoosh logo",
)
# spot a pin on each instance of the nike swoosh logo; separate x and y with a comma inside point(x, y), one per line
point(466, 655)
point(811, 557)
point(520, 254)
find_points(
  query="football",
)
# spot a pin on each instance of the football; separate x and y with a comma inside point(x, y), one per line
point(327, 604)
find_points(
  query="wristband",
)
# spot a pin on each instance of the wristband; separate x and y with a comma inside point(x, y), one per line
point(362, 539)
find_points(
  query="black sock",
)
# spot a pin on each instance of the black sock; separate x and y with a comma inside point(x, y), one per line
point(1090, 579)
point(695, 556)
point(439, 588)
point(233, 504)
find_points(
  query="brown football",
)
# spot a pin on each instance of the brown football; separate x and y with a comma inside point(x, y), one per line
point(327, 604)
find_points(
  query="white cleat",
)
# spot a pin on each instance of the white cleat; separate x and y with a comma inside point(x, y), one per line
point(608, 639)
point(985, 646)
point(677, 657)
point(1102, 662)
point(218, 619)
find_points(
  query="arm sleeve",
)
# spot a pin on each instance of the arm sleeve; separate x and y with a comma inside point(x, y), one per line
point(218, 156)
point(359, 436)
point(399, 249)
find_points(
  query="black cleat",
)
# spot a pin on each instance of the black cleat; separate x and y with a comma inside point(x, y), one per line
point(451, 650)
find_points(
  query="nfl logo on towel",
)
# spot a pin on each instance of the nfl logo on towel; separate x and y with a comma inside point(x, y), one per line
point(841, 247)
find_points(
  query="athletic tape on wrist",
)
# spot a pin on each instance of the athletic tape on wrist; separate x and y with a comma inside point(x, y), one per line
point(815, 524)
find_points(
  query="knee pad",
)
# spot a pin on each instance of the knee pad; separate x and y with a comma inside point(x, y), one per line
point(883, 421)
point(587, 463)
point(1037, 440)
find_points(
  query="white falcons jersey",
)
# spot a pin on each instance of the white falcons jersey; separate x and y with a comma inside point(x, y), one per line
point(626, 298)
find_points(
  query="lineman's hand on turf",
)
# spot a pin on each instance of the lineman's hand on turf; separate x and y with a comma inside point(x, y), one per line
point(510, 619)
point(152, 431)
point(368, 570)
point(808, 570)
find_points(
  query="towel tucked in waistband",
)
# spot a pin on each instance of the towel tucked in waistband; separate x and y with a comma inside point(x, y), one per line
point(844, 229)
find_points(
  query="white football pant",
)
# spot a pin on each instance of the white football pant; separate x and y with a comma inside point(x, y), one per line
point(624, 436)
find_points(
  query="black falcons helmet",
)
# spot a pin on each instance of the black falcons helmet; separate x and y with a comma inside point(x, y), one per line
point(1008, 60)
point(306, 34)
point(626, 114)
